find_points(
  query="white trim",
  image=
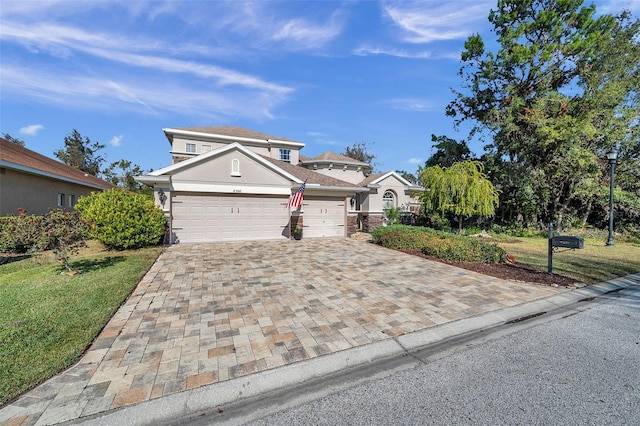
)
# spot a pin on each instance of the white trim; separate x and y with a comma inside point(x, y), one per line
point(150, 180)
point(386, 175)
point(31, 170)
point(215, 136)
point(229, 189)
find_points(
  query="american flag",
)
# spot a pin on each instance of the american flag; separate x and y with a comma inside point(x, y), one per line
point(295, 200)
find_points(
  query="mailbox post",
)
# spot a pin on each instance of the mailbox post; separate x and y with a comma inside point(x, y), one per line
point(550, 250)
point(561, 241)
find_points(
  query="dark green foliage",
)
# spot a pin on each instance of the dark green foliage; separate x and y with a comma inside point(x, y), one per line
point(448, 152)
point(561, 89)
point(121, 219)
point(440, 244)
point(465, 249)
point(18, 234)
point(62, 232)
point(402, 236)
point(81, 153)
point(360, 151)
point(437, 222)
point(122, 173)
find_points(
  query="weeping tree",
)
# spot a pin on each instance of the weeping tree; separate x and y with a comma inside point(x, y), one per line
point(462, 189)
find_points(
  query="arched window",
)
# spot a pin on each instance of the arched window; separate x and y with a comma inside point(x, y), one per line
point(388, 200)
point(235, 167)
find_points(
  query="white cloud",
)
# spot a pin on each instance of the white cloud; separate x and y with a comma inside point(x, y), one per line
point(302, 34)
point(415, 161)
point(61, 41)
point(31, 129)
point(116, 140)
point(141, 94)
point(400, 53)
point(425, 22)
point(615, 6)
point(411, 104)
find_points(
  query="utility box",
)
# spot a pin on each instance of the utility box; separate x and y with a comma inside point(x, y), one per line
point(568, 242)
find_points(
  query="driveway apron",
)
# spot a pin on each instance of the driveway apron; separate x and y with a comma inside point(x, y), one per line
point(206, 313)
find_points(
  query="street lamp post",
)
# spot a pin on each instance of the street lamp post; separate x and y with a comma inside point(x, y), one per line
point(612, 156)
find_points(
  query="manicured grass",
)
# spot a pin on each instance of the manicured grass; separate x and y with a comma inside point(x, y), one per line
point(48, 318)
point(593, 264)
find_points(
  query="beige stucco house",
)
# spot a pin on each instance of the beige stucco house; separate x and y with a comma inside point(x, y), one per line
point(229, 183)
point(36, 183)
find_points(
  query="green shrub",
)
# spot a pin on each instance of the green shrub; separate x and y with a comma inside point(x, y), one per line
point(461, 249)
point(121, 219)
point(402, 236)
point(19, 233)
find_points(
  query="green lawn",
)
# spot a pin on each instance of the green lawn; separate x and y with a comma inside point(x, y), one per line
point(48, 318)
point(595, 263)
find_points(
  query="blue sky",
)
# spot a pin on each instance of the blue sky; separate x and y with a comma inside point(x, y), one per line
point(326, 73)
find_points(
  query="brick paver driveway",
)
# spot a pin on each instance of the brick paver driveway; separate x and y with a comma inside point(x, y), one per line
point(205, 313)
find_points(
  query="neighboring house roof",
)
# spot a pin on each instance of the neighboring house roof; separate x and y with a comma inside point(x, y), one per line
point(16, 157)
point(228, 132)
point(332, 157)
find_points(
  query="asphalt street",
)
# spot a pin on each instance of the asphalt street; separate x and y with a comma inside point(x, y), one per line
point(569, 368)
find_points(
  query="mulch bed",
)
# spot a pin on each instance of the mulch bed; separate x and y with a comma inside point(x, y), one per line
point(513, 272)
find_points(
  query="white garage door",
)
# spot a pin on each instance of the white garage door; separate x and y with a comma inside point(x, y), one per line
point(205, 217)
point(323, 217)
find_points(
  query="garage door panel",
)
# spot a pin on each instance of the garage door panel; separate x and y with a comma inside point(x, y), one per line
point(324, 217)
point(217, 217)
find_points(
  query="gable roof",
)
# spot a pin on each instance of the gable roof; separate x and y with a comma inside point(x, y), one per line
point(296, 174)
point(228, 133)
point(376, 178)
point(214, 153)
point(332, 157)
point(16, 157)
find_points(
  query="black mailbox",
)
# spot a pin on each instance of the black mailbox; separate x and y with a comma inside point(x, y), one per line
point(568, 242)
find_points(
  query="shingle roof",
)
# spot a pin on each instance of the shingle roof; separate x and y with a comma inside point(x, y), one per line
point(371, 178)
point(14, 154)
point(338, 158)
point(309, 175)
point(234, 131)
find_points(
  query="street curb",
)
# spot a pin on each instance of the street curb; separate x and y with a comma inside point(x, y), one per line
point(219, 394)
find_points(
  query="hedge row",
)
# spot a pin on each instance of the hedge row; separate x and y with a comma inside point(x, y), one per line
point(438, 243)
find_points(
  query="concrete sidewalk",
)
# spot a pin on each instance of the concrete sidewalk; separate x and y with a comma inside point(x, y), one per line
point(211, 323)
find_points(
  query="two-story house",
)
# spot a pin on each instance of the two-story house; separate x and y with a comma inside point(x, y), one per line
point(229, 183)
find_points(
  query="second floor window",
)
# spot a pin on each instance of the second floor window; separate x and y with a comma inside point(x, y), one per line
point(191, 148)
point(285, 155)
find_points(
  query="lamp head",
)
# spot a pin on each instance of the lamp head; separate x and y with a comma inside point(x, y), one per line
point(612, 156)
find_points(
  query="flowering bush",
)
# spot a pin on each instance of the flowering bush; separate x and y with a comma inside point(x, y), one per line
point(18, 233)
point(63, 232)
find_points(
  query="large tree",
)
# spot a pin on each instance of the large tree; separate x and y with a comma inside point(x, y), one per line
point(122, 173)
point(361, 151)
point(560, 91)
point(81, 153)
point(448, 151)
point(462, 189)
